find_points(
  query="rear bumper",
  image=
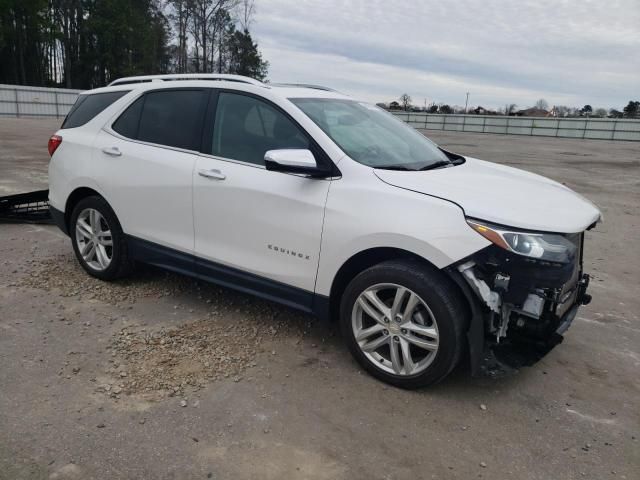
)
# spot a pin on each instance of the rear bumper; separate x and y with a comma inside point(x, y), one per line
point(58, 218)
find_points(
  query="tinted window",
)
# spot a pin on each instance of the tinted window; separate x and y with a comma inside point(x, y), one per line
point(127, 123)
point(88, 106)
point(173, 118)
point(245, 128)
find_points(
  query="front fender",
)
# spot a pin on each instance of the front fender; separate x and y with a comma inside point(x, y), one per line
point(366, 214)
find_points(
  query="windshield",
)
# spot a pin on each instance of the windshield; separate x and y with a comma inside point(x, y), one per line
point(371, 136)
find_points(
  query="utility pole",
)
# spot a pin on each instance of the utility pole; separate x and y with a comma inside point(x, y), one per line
point(466, 103)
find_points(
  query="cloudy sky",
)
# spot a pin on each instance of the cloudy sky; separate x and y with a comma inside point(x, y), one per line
point(570, 52)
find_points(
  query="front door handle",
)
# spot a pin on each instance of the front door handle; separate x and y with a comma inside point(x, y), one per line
point(213, 173)
point(112, 151)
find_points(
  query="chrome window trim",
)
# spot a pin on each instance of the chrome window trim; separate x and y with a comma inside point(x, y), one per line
point(181, 150)
point(107, 129)
point(200, 154)
point(261, 167)
point(231, 160)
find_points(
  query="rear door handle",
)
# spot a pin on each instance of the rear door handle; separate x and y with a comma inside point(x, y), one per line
point(213, 173)
point(112, 151)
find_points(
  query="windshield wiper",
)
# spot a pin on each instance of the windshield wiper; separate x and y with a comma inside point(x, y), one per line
point(395, 167)
point(438, 164)
point(404, 168)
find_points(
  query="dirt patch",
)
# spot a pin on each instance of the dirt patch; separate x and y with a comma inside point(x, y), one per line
point(172, 361)
point(177, 361)
point(63, 274)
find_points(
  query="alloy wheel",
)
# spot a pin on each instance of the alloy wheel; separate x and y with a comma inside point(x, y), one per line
point(395, 329)
point(93, 236)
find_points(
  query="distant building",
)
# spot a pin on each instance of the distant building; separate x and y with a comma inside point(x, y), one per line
point(395, 106)
point(480, 110)
point(532, 112)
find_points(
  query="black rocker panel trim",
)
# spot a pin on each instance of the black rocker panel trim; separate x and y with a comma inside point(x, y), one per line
point(193, 266)
point(58, 219)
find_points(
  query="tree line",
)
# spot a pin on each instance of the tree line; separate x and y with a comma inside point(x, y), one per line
point(540, 108)
point(88, 43)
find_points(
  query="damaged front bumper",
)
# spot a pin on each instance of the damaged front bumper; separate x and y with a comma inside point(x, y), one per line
point(520, 306)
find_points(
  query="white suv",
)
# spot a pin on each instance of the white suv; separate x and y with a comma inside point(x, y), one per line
point(307, 197)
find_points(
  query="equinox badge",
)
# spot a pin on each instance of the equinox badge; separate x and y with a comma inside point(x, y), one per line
point(288, 252)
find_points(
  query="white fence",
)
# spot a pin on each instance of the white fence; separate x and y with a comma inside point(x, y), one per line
point(22, 101)
point(590, 128)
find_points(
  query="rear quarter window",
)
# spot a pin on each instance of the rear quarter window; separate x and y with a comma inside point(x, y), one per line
point(127, 124)
point(87, 106)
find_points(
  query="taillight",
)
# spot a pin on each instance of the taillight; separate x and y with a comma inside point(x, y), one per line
point(54, 143)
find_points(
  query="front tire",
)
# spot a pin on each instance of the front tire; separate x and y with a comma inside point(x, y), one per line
point(98, 240)
point(404, 322)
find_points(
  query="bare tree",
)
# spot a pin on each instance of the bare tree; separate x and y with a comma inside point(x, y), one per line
point(542, 104)
point(510, 108)
point(68, 17)
point(181, 17)
point(201, 13)
point(247, 10)
point(206, 20)
point(405, 101)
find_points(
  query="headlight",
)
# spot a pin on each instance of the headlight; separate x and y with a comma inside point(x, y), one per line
point(551, 247)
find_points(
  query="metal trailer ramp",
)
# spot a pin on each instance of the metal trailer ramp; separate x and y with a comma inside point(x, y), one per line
point(30, 207)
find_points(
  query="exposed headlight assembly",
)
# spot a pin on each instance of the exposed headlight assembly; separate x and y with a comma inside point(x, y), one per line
point(550, 247)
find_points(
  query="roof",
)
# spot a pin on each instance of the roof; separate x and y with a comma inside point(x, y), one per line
point(233, 82)
point(185, 76)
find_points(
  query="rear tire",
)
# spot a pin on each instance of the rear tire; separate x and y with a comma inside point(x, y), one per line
point(98, 241)
point(404, 322)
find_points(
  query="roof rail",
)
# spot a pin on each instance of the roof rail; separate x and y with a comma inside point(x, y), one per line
point(186, 76)
point(304, 85)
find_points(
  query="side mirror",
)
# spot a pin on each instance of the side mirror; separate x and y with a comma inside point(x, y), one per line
point(294, 161)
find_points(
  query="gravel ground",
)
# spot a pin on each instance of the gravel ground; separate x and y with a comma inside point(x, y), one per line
point(169, 361)
point(61, 273)
point(160, 376)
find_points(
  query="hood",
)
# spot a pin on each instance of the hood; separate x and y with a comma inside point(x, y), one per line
point(500, 194)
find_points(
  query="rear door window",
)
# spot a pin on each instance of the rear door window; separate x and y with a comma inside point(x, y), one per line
point(88, 106)
point(172, 118)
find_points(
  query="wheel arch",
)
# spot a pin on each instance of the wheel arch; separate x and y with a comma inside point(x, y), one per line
point(372, 256)
point(358, 263)
point(74, 197)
